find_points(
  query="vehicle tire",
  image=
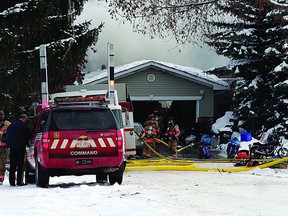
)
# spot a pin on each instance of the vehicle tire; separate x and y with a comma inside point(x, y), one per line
point(255, 163)
point(101, 178)
point(29, 175)
point(41, 176)
point(117, 176)
point(282, 152)
point(231, 155)
point(201, 153)
point(254, 154)
point(249, 164)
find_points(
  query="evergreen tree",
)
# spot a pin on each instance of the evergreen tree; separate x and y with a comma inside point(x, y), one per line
point(24, 26)
point(255, 38)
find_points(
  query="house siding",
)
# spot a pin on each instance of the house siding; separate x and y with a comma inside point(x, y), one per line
point(166, 84)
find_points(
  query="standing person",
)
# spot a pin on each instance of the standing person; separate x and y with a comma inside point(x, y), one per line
point(172, 134)
point(149, 133)
point(152, 121)
point(18, 138)
point(3, 149)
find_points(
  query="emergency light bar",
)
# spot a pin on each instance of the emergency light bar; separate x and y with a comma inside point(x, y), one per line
point(79, 99)
point(89, 100)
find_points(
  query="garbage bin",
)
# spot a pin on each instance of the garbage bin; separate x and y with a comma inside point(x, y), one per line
point(225, 135)
point(246, 137)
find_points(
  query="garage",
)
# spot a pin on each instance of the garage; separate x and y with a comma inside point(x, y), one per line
point(184, 93)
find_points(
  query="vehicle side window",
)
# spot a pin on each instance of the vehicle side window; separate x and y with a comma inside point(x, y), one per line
point(43, 123)
point(118, 115)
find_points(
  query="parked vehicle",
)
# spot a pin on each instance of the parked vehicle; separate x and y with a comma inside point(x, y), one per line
point(76, 138)
point(122, 110)
point(203, 147)
point(233, 147)
point(273, 147)
point(139, 143)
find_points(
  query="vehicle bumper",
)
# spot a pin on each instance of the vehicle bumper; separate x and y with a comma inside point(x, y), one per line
point(80, 165)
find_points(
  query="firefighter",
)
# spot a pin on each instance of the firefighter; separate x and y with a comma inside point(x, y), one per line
point(3, 149)
point(172, 134)
point(161, 125)
point(148, 133)
point(152, 120)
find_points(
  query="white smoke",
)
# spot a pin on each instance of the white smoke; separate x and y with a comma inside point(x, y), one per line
point(130, 46)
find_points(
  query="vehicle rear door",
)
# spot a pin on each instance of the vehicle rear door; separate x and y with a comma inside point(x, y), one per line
point(82, 132)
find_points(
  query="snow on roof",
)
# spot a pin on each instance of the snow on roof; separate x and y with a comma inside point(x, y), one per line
point(187, 72)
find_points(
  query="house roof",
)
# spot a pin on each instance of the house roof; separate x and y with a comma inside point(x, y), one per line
point(189, 73)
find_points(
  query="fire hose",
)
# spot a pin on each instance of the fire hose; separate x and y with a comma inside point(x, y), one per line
point(172, 164)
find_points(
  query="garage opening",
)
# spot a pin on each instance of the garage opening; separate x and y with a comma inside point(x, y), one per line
point(183, 112)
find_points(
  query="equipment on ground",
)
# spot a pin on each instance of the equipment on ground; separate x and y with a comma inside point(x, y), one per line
point(271, 148)
point(233, 147)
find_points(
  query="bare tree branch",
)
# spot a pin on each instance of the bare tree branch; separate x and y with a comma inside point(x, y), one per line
point(185, 20)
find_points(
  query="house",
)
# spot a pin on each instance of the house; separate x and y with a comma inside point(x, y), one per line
point(186, 93)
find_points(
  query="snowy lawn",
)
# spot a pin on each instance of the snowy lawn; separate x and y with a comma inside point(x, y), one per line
point(185, 193)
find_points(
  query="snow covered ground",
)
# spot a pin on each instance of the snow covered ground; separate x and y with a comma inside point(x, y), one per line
point(186, 193)
point(168, 193)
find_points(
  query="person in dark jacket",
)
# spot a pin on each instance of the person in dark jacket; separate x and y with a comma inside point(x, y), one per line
point(18, 135)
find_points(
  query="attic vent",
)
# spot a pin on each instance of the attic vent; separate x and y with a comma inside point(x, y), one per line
point(151, 77)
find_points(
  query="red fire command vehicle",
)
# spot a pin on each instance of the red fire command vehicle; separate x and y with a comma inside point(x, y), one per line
point(76, 136)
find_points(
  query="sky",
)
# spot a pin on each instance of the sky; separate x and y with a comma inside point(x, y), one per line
point(131, 46)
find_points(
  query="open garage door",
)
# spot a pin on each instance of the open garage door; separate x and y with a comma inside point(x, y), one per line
point(184, 112)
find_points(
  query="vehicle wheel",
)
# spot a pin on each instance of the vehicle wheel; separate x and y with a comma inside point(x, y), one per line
point(101, 178)
point(117, 176)
point(139, 152)
point(41, 176)
point(282, 152)
point(249, 164)
point(29, 176)
point(255, 163)
point(201, 153)
point(254, 154)
point(231, 155)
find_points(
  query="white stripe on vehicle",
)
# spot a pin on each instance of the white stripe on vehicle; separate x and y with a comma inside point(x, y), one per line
point(102, 143)
point(64, 144)
point(112, 144)
point(54, 144)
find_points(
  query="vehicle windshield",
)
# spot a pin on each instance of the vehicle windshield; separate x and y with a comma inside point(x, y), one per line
point(92, 119)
